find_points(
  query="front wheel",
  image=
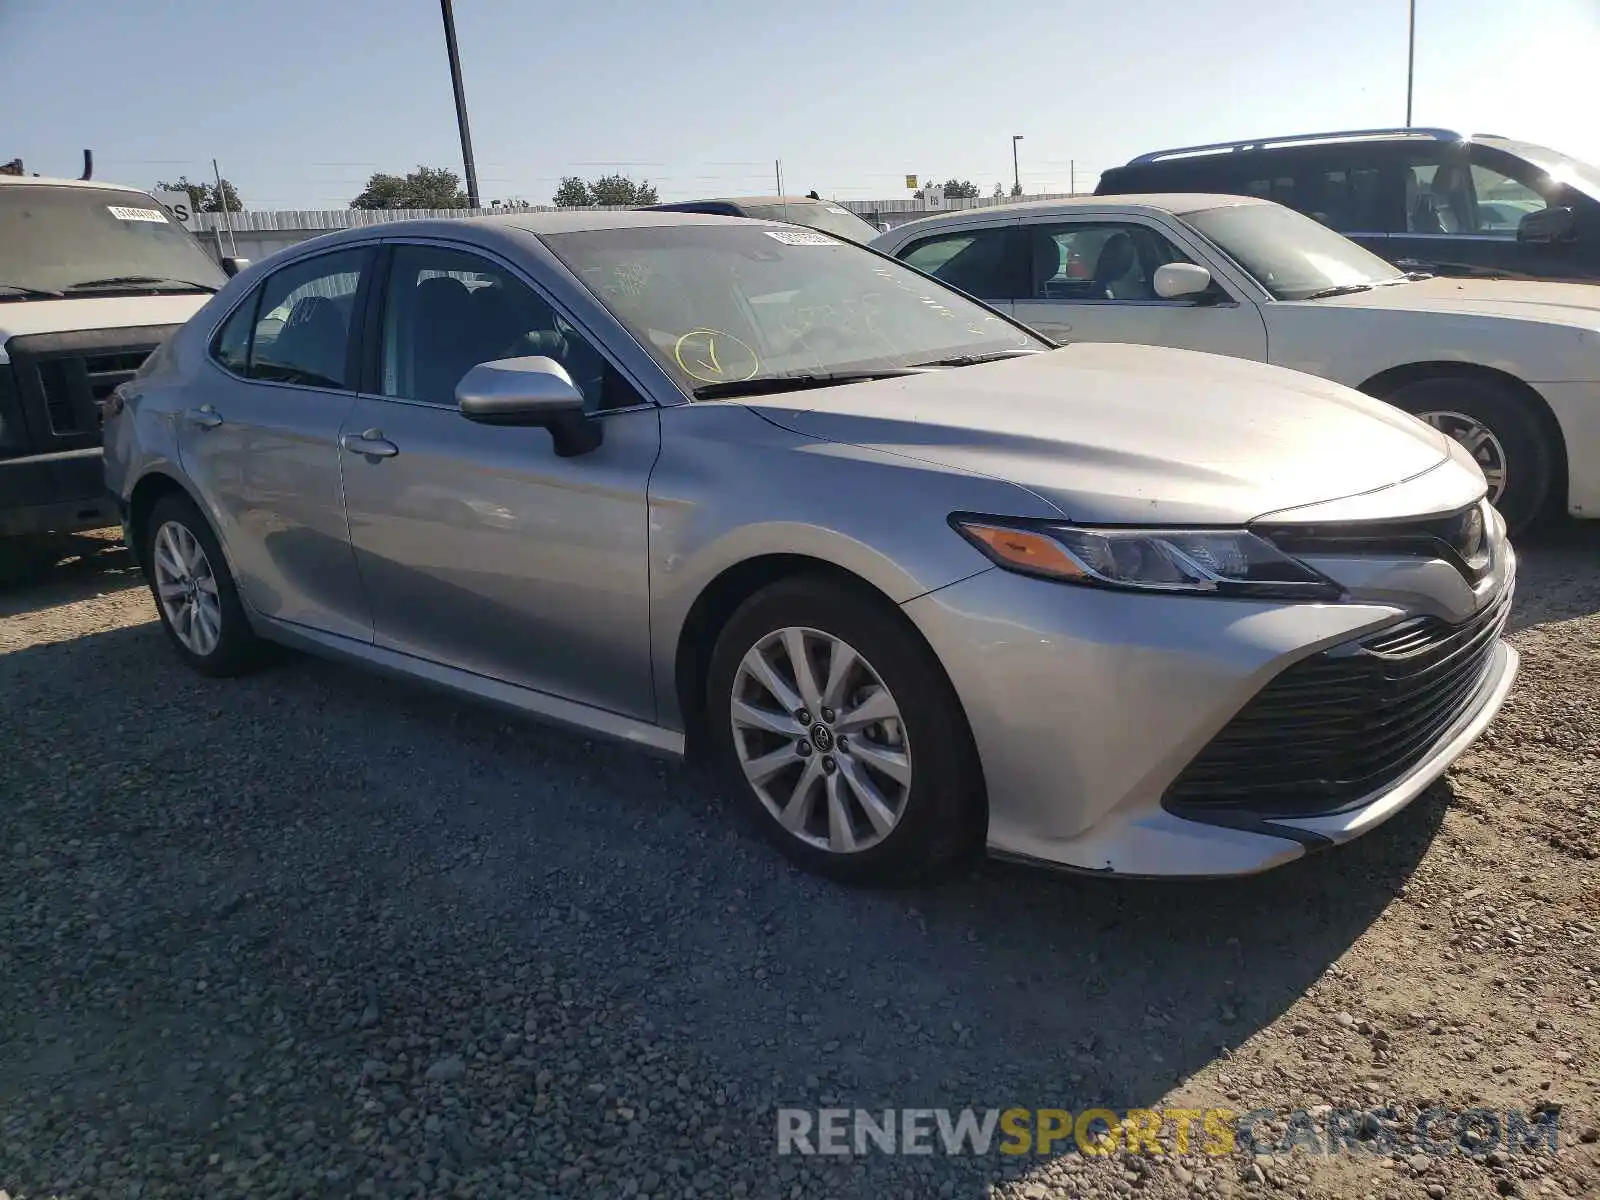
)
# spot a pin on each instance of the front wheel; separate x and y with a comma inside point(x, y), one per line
point(1500, 431)
point(840, 731)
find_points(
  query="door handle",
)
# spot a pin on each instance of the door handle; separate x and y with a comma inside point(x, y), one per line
point(372, 443)
point(204, 417)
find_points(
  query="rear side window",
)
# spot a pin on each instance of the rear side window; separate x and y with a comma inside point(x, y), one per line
point(973, 260)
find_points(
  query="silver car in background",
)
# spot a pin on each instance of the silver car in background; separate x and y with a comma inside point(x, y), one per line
point(918, 580)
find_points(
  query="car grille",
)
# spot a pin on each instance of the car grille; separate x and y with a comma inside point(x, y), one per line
point(75, 387)
point(1344, 723)
point(63, 378)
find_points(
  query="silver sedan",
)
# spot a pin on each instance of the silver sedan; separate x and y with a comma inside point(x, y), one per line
point(919, 580)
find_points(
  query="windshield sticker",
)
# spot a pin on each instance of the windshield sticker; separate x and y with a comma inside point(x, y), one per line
point(802, 237)
point(137, 214)
point(712, 356)
point(843, 212)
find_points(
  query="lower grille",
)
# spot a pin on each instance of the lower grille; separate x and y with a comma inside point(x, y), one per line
point(1345, 722)
point(62, 379)
point(75, 387)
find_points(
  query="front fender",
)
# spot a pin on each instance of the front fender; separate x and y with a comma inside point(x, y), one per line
point(730, 487)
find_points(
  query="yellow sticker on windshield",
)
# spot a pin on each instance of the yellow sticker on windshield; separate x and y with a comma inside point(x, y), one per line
point(712, 356)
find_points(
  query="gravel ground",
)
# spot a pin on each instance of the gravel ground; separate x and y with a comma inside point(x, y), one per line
point(317, 934)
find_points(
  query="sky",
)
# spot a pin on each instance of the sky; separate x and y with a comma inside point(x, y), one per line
point(302, 100)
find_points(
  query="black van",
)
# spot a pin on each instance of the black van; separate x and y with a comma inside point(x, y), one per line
point(1425, 199)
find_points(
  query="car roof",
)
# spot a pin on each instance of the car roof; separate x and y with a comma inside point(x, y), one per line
point(1169, 202)
point(49, 181)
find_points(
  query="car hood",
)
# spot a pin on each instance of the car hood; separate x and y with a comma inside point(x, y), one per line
point(21, 317)
point(1131, 434)
point(1560, 303)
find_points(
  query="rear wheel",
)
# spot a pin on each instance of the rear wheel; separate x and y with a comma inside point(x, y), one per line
point(838, 729)
point(194, 593)
point(1501, 432)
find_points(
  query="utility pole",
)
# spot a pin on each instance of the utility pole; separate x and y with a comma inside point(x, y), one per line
point(1016, 171)
point(1411, 60)
point(461, 102)
point(222, 203)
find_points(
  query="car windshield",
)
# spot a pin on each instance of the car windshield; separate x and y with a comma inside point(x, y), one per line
point(1562, 168)
point(728, 304)
point(1291, 255)
point(90, 241)
point(831, 218)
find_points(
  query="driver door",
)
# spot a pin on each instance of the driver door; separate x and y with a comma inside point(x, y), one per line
point(479, 547)
point(1093, 280)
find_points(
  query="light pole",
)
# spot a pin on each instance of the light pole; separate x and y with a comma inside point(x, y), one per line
point(1016, 172)
point(461, 103)
point(1411, 60)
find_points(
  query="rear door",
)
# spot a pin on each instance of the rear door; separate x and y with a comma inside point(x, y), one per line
point(261, 441)
point(1091, 279)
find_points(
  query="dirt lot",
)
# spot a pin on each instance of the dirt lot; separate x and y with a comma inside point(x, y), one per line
point(316, 934)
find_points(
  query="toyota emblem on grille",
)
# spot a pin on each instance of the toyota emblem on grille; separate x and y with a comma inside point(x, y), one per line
point(1471, 535)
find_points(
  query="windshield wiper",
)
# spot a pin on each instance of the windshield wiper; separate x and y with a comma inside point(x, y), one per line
point(140, 280)
point(1344, 289)
point(764, 384)
point(28, 293)
point(972, 360)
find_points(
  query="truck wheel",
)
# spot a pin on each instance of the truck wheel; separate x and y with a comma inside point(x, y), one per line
point(194, 592)
point(1501, 432)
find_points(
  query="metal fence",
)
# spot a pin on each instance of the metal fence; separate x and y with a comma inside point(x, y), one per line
point(904, 208)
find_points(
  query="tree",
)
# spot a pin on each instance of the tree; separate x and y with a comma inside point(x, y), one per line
point(203, 197)
point(1016, 189)
point(614, 191)
point(573, 193)
point(426, 187)
point(960, 189)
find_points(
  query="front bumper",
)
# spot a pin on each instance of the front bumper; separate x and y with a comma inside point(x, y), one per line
point(1087, 705)
point(55, 493)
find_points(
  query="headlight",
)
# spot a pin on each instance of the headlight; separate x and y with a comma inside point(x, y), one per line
point(1219, 562)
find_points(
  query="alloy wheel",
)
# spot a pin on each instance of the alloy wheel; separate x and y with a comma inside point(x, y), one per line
point(1480, 442)
point(186, 587)
point(821, 740)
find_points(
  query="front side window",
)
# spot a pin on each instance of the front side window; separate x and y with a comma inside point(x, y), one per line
point(727, 304)
point(1098, 260)
point(449, 310)
point(1290, 255)
point(302, 330)
point(1501, 202)
point(973, 260)
point(1455, 198)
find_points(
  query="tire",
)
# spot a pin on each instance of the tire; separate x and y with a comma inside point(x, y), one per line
point(234, 649)
point(1455, 403)
point(920, 763)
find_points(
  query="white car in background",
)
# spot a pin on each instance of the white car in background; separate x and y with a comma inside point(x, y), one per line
point(1510, 369)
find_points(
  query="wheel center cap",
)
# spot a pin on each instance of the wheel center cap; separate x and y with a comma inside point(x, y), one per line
point(822, 737)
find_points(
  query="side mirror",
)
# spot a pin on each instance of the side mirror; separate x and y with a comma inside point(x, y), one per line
point(1181, 281)
point(534, 391)
point(232, 266)
point(1547, 225)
